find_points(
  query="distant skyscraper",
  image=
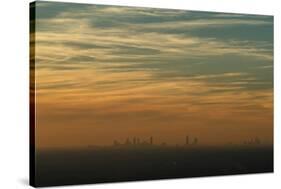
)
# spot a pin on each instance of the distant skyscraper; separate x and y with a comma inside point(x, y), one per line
point(195, 141)
point(128, 142)
point(116, 143)
point(187, 140)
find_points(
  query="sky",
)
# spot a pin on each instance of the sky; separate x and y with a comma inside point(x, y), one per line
point(105, 73)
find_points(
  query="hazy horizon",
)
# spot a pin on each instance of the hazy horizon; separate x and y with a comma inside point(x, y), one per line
point(105, 73)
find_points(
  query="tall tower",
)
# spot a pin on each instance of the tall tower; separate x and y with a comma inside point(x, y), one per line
point(151, 141)
point(128, 142)
point(195, 141)
point(187, 140)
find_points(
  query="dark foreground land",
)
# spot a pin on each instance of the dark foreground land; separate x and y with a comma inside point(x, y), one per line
point(111, 164)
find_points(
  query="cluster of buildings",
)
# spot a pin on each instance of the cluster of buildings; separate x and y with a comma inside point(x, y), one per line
point(253, 141)
point(189, 141)
point(136, 141)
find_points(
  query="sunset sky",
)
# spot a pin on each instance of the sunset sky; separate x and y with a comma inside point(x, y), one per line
point(106, 73)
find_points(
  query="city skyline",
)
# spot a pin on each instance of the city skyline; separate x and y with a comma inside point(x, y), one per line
point(108, 72)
